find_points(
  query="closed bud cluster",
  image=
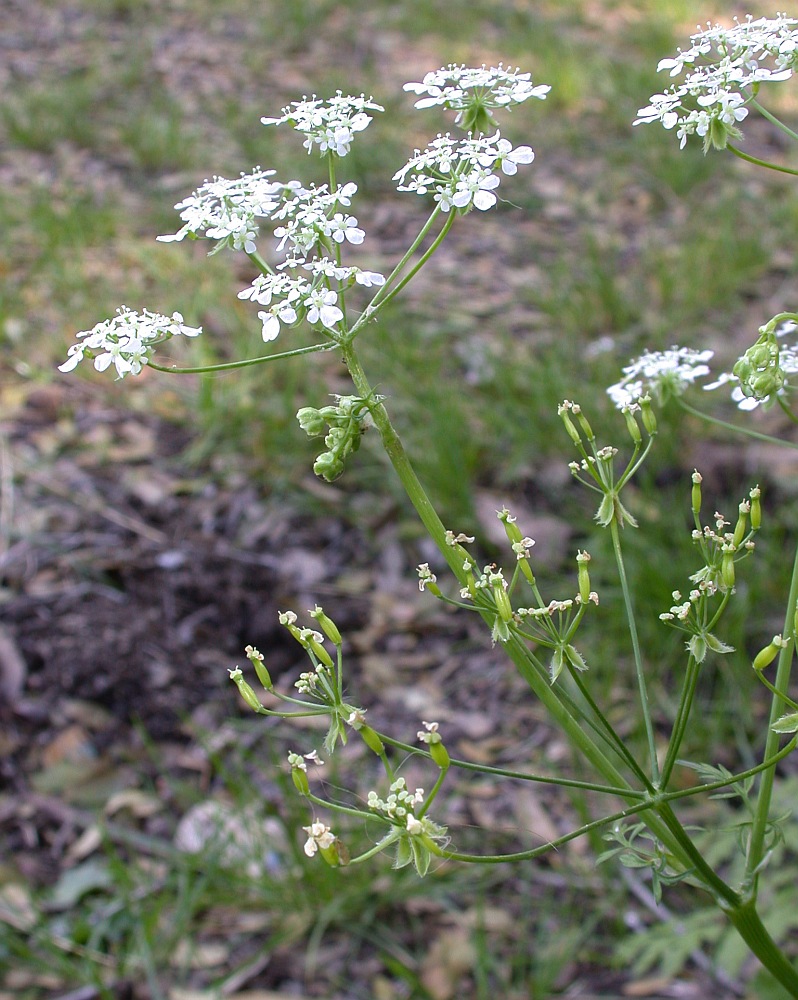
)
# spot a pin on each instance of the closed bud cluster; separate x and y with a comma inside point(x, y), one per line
point(345, 423)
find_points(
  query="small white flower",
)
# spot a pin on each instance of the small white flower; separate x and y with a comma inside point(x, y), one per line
point(459, 87)
point(322, 308)
point(320, 837)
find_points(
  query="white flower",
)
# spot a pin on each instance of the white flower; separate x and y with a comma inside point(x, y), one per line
point(723, 68)
point(459, 87)
point(460, 174)
point(658, 372)
point(127, 341)
point(322, 308)
point(330, 124)
point(228, 210)
point(320, 837)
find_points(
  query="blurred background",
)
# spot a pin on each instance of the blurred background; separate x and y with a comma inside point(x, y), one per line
point(150, 529)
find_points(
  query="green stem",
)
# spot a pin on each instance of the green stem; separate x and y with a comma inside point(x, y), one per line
point(230, 365)
point(756, 845)
point(641, 680)
point(749, 926)
point(757, 435)
point(680, 722)
point(760, 163)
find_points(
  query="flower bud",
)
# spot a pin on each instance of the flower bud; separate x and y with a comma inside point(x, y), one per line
point(245, 690)
point(327, 625)
point(696, 493)
point(256, 659)
point(328, 466)
point(311, 421)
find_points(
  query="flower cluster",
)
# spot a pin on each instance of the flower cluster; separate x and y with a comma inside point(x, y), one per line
point(473, 92)
point(126, 341)
point(460, 173)
point(400, 804)
point(725, 67)
point(331, 125)
point(660, 374)
point(227, 210)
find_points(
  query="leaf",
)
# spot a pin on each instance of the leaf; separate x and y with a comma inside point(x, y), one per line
point(786, 724)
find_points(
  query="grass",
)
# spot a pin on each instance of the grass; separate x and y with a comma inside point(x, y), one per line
point(626, 253)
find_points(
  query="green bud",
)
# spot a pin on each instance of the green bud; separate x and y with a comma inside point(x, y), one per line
point(327, 625)
point(328, 466)
point(311, 421)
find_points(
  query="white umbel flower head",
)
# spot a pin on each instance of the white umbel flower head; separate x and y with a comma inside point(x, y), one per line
point(660, 373)
point(722, 71)
point(127, 341)
point(329, 124)
point(475, 92)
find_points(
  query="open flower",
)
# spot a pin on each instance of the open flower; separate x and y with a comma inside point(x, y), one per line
point(320, 838)
point(329, 124)
point(659, 373)
point(723, 69)
point(127, 341)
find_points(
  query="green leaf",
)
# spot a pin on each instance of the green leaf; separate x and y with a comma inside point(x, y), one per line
point(786, 724)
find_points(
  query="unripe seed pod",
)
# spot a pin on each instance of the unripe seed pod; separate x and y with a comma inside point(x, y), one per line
point(696, 493)
point(318, 651)
point(727, 568)
point(327, 625)
point(742, 525)
point(756, 509)
point(648, 416)
point(583, 423)
point(573, 433)
point(503, 605)
point(440, 755)
point(245, 690)
point(372, 740)
point(767, 655)
point(631, 426)
point(582, 559)
point(300, 780)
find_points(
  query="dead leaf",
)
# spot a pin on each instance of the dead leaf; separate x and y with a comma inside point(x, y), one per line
point(16, 907)
point(451, 955)
point(199, 955)
point(140, 804)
